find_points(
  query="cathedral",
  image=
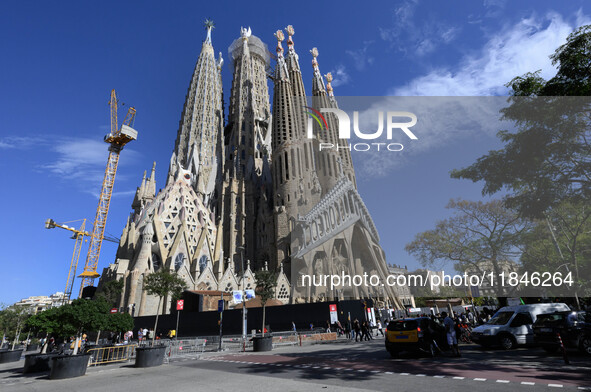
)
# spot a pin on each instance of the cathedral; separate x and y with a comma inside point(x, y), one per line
point(252, 191)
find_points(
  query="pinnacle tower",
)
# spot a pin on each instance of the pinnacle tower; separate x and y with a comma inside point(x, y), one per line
point(198, 145)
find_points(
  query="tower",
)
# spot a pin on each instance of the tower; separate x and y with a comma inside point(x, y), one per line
point(198, 145)
point(246, 216)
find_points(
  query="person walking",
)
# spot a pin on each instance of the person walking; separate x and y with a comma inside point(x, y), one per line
point(379, 328)
point(356, 329)
point(450, 329)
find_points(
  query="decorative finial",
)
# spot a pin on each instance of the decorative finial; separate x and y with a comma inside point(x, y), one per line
point(328, 77)
point(209, 25)
point(290, 32)
point(314, 53)
point(220, 61)
point(266, 266)
point(245, 33)
point(280, 37)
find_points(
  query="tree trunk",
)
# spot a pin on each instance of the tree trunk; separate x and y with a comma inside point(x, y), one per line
point(97, 336)
point(156, 323)
point(76, 345)
point(263, 321)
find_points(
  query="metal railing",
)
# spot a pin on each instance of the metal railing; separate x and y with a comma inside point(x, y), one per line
point(112, 354)
point(184, 347)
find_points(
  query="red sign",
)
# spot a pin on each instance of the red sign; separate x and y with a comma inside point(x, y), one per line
point(114, 310)
point(332, 308)
point(179, 304)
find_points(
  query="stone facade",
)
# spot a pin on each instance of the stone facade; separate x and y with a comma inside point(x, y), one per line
point(254, 192)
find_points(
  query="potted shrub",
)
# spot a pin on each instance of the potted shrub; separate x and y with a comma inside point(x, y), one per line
point(161, 284)
point(47, 322)
point(265, 290)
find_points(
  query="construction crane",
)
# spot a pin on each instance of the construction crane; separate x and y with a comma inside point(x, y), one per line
point(79, 237)
point(117, 138)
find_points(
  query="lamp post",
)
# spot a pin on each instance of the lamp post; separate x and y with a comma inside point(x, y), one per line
point(241, 249)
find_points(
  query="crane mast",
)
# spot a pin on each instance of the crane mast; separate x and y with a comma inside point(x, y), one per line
point(79, 237)
point(117, 138)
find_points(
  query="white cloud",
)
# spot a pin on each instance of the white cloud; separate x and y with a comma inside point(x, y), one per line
point(19, 142)
point(518, 49)
point(340, 76)
point(360, 56)
point(416, 36)
point(82, 160)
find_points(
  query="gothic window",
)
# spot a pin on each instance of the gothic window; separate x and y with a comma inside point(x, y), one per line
point(178, 261)
point(283, 293)
point(156, 262)
point(202, 263)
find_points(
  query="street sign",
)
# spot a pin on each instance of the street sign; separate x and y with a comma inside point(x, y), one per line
point(333, 313)
point(237, 296)
point(180, 304)
point(249, 294)
point(114, 310)
point(220, 305)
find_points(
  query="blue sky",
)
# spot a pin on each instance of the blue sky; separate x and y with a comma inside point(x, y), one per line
point(59, 61)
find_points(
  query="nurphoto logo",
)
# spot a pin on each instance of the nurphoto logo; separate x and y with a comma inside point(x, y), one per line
point(393, 124)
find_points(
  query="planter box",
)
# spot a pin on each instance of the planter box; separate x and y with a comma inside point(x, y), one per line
point(32, 347)
point(10, 355)
point(149, 356)
point(35, 363)
point(68, 366)
point(260, 343)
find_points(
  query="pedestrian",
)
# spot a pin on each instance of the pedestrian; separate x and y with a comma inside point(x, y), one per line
point(145, 333)
point(379, 327)
point(356, 329)
point(140, 334)
point(327, 326)
point(293, 326)
point(365, 331)
point(450, 329)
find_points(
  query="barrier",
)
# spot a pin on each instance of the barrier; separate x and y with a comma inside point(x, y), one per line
point(183, 347)
point(102, 355)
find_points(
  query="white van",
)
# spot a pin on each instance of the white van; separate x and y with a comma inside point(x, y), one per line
point(512, 325)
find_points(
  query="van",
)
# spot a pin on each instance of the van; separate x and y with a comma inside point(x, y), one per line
point(512, 325)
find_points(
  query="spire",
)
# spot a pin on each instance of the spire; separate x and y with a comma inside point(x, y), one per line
point(328, 77)
point(151, 184)
point(202, 117)
point(318, 87)
point(281, 68)
point(292, 57)
point(209, 25)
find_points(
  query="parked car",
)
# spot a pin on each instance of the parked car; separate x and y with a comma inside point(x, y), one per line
point(574, 329)
point(419, 334)
point(512, 325)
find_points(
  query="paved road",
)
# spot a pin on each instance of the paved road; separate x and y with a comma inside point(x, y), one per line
point(342, 366)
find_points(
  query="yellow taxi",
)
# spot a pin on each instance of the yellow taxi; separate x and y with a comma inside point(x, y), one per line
point(419, 334)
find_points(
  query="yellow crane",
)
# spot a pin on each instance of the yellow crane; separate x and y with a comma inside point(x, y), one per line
point(117, 138)
point(79, 237)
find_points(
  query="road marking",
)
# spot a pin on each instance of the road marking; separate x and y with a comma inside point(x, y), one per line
point(439, 376)
point(420, 375)
point(375, 371)
point(459, 378)
point(480, 379)
point(556, 385)
point(503, 381)
point(389, 372)
point(361, 370)
point(405, 374)
point(527, 383)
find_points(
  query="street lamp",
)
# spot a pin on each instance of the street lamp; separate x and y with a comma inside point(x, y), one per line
point(241, 249)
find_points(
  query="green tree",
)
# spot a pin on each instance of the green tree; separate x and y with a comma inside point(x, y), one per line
point(110, 291)
point(548, 159)
point(478, 238)
point(163, 283)
point(266, 281)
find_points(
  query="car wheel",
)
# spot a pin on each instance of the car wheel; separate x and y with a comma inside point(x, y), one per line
point(550, 349)
point(586, 344)
point(507, 342)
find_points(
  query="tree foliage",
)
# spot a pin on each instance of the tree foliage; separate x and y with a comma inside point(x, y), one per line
point(479, 237)
point(548, 159)
point(266, 281)
point(161, 284)
point(110, 291)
